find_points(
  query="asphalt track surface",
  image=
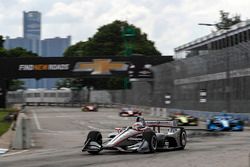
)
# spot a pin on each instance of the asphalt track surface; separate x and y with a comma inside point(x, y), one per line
point(58, 135)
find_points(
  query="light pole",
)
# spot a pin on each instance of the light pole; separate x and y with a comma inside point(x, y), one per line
point(228, 83)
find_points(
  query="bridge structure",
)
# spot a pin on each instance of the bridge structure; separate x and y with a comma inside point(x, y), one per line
point(134, 67)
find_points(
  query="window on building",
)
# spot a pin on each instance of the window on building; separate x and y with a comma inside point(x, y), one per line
point(248, 35)
point(240, 37)
point(231, 41)
point(227, 41)
point(236, 41)
point(216, 45)
point(224, 42)
point(220, 44)
point(213, 45)
point(245, 36)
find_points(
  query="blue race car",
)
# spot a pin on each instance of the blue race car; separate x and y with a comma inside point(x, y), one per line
point(224, 122)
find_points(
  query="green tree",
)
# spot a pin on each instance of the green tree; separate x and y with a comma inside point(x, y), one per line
point(20, 52)
point(15, 84)
point(226, 21)
point(15, 52)
point(108, 41)
point(1, 41)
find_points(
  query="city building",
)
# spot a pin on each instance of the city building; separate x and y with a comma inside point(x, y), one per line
point(18, 42)
point(55, 47)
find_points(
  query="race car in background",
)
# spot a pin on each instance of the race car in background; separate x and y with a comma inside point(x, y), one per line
point(89, 107)
point(184, 119)
point(143, 136)
point(130, 112)
point(224, 122)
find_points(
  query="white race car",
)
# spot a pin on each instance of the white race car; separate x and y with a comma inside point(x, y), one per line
point(130, 112)
point(142, 136)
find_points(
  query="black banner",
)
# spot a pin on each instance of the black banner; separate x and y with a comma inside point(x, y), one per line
point(3, 90)
point(71, 67)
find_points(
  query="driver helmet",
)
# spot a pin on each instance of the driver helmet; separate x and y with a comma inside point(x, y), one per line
point(138, 125)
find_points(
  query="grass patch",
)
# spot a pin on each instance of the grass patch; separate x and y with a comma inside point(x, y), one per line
point(4, 125)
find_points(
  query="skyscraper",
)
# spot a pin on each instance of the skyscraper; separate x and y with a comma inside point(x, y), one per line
point(32, 25)
point(32, 29)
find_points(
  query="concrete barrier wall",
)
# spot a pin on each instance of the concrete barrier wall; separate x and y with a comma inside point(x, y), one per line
point(22, 136)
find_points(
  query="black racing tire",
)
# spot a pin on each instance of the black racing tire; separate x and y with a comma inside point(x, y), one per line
point(121, 114)
point(151, 138)
point(95, 136)
point(183, 139)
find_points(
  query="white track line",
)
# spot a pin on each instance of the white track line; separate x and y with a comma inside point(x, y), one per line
point(93, 128)
point(10, 154)
point(36, 121)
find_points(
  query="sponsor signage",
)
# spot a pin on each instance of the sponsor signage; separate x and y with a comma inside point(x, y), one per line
point(43, 67)
point(136, 72)
point(203, 95)
point(167, 98)
point(100, 67)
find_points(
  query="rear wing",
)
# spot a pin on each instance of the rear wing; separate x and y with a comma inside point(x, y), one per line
point(161, 123)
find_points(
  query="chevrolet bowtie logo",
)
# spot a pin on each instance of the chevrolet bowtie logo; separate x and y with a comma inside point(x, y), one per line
point(100, 66)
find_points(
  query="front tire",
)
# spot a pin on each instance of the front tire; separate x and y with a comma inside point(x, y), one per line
point(95, 136)
point(183, 139)
point(151, 138)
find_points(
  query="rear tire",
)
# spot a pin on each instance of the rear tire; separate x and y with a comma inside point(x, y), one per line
point(151, 138)
point(96, 137)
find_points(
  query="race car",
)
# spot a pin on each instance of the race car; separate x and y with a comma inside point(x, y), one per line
point(143, 137)
point(90, 107)
point(130, 112)
point(224, 122)
point(184, 119)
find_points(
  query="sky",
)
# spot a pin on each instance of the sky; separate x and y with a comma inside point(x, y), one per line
point(169, 23)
